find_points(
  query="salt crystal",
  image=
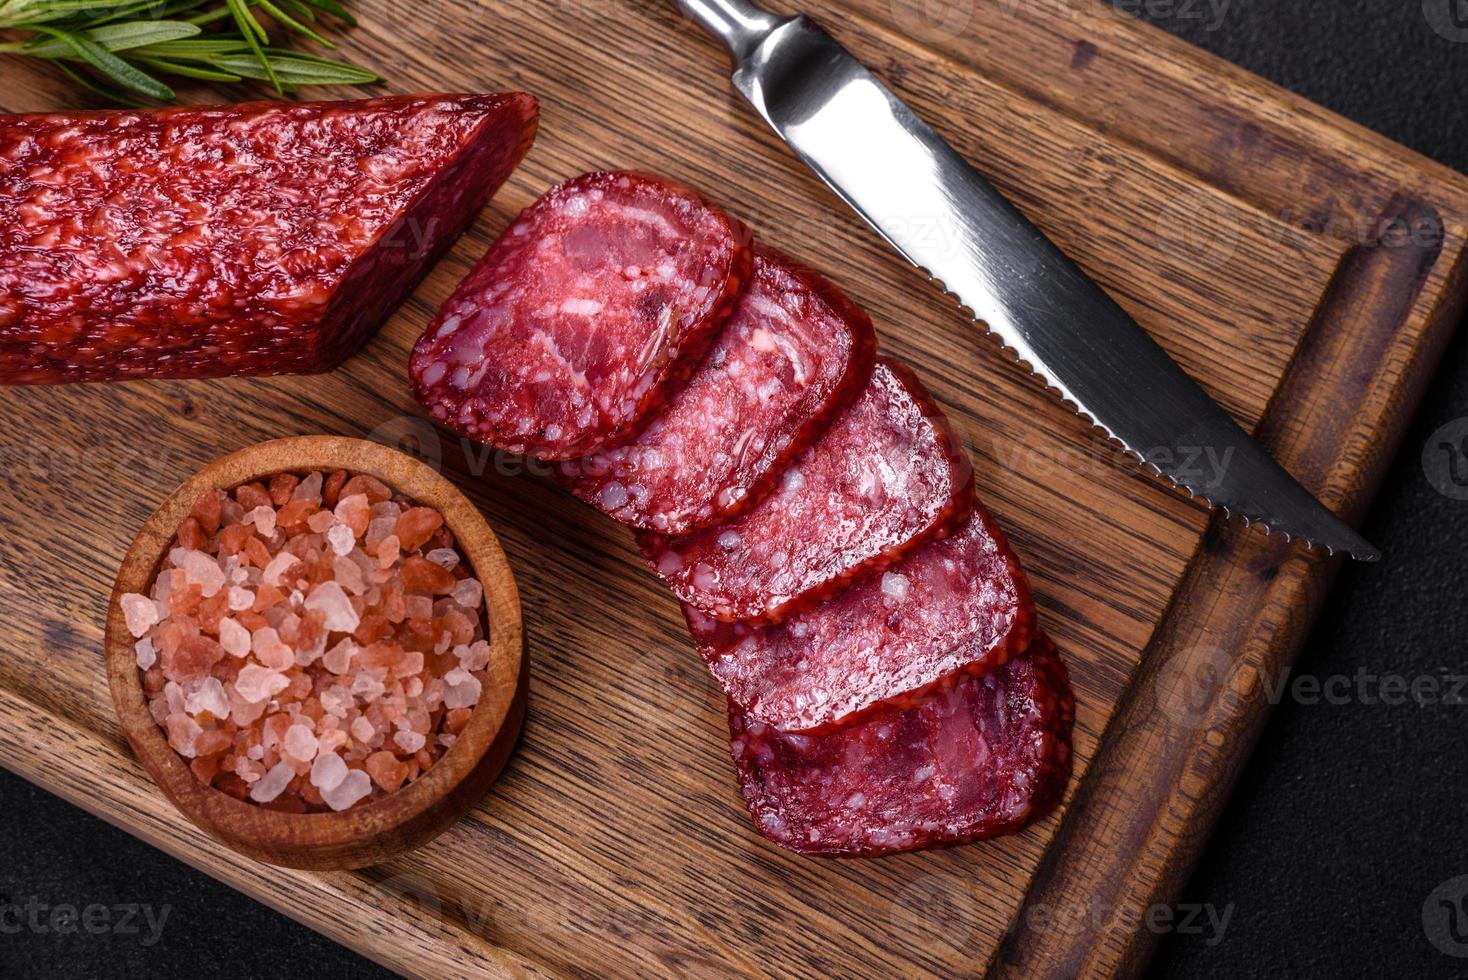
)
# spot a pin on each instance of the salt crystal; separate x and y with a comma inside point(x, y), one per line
point(341, 539)
point(273, 783)
point(337, 700)
point(461, 689)
point(355, 785)
point(418, 606)
point(234, 638)
point(256, 752)
point(444, 558)
point(367, 687)
point(263, 517)
point(256, 683)
point(362, 729)
point(409, 741)
point(349, 574)
point(309, 488)
point(321, 521)
point(447, 741)
point(300, 743)
point(468, 593)
point(277, 567)
point(338, 659)
point(183, 731)
point(379, 529)
point(270, 651)
point(140, 611)
point(474, 656)
point(240, 599)
point(147, 656)
point(329, 598)
point(207, 695)
point(174, 695)
point(328, 771)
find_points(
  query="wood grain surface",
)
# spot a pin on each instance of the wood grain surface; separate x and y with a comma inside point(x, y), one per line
point(1250, 232)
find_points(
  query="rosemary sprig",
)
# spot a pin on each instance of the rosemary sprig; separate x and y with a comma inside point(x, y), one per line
point(119, 48)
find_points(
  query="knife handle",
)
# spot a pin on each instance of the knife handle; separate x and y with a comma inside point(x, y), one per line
point(739, 24)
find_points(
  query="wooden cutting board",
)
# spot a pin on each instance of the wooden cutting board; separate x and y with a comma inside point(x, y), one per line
point(1307, 272)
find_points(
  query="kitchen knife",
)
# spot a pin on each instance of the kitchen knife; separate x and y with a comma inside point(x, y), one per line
point(951, 223)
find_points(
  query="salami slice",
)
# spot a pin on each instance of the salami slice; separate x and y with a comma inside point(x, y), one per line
point(955, 607)
point(792, 355)
point(266, 238)
point(589, 311)
point(883, 480)
point(985, 758)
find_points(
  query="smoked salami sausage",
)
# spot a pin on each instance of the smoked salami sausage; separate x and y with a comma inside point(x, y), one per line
point(794, 352)
point(955, 607)
point(265, 238)
point(883, 480)
point(987, 757)
point(590, 310)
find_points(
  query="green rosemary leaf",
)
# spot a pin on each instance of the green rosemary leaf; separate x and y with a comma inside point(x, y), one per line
point(293, 68)
point(184, 70)
point(116, 37)
point(255, 36)
point(111, 65)
point(293, 24)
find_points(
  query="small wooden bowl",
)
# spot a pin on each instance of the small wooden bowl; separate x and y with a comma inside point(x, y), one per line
point(376, 831)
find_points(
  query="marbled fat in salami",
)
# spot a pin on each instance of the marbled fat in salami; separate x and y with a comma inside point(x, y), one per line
point(955, 607)
point(266, 238)
point(883, 480)
point(589, 311)
point(985, 758)
point(794, 352)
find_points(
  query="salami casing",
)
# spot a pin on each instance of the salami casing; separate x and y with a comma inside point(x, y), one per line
point(794, 352)
point(266, 238)
point(954, 607)
point(886, 478)
point(590, 310)
point(987, 757)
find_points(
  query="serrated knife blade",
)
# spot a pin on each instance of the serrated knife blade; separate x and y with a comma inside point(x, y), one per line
point(951, 223)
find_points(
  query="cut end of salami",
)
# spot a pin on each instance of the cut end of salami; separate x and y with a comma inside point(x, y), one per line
point(987, 757)
point(265, 238)
point(956, 607)
point(793, 354)
point(886, 478)
point(588, 312)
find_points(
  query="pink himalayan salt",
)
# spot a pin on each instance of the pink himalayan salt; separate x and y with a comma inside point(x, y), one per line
point(328, 771)
point(299, 743)
point(329, 599)
point(361, 729)
point(341, 539)
point(248, 702)
point(265, 644)
point(140, 612)
point(256, 683)
point(351, 790)
point(273, 783)
point(235, 639)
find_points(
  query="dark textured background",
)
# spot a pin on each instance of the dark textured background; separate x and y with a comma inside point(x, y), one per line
point(1348, 817)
